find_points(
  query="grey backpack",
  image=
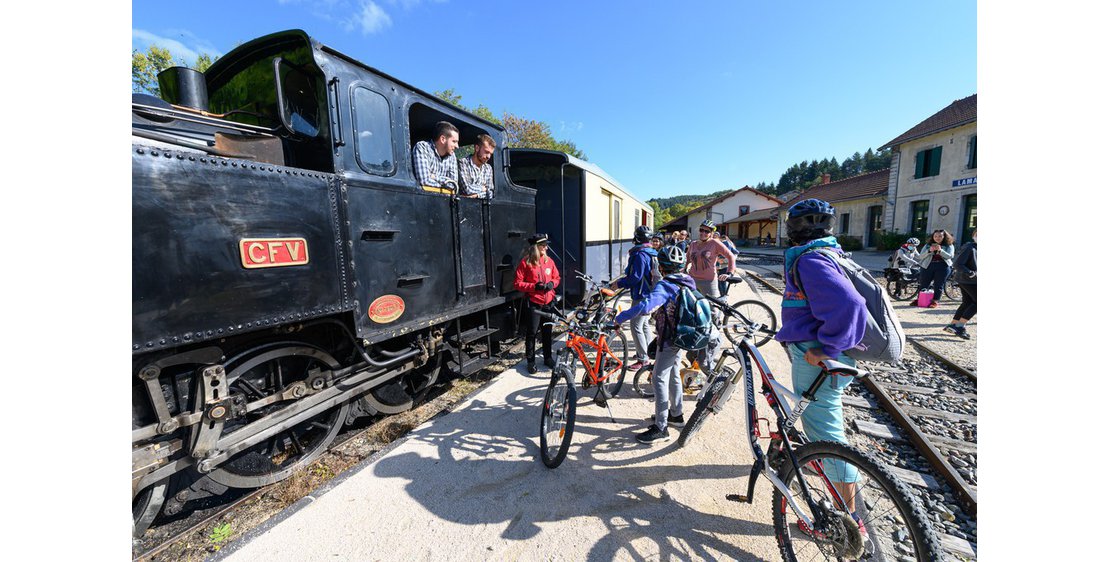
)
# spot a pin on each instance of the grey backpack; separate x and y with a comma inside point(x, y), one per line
point(883, 339)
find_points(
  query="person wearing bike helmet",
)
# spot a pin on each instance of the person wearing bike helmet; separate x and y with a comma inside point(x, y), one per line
point(822, 323)
point(640, 276)
point(657, 241)
point(666, 377)
point(536, 277)
point(907, 254)
point(701, 261)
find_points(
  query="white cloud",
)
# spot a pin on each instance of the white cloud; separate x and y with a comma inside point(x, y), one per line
point(141, 39)
point(370, 19)
point(571, 127)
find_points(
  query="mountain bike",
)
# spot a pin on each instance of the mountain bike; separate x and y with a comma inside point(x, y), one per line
point(902, 283)
point(599, 345)
point(830, 500)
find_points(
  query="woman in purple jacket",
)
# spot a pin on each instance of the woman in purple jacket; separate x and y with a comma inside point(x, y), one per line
point(820, 324)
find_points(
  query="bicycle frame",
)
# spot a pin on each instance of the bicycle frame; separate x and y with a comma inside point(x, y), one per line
point(779, 398)
point(577, 343)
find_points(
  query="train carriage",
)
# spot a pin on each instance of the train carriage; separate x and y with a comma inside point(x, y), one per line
point(289, 274)
point(589, 215)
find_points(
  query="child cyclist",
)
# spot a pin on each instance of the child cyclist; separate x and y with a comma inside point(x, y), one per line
point(666, 378)
point(822, 323)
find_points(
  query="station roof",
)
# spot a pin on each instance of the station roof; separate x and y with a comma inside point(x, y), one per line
point(958, 113)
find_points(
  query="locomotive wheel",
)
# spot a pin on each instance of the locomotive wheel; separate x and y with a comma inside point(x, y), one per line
point(260, 373)
point(146, 506)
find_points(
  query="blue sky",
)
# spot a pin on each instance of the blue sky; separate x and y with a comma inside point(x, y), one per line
point(668, 98)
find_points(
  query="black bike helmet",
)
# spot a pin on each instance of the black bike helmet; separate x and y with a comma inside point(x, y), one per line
point(657, 236)
point(672, 258)
point(808, 220)
point(642, 234)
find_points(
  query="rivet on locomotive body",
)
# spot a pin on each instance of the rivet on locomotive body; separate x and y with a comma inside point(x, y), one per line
point(150, 344)
point(168, 155)
point(141, 151)
point(175, 339)
point(252, 166)
point(220, 331)
point(162, 342)
point(136, 347)
point(154, 153)
point(192, 158)
point(187, 336)
point(180, 156)
point(224, 162)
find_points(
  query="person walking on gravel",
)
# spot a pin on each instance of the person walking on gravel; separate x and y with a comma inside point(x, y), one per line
point(666, 377)
point(640, 276)
point(966, 272)
point(829, 318)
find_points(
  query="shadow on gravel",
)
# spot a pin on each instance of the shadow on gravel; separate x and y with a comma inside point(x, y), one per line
point(496, 477)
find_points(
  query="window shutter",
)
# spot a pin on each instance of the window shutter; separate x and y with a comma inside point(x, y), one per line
point(920, 171)
point(971, 157)
point(934, 162)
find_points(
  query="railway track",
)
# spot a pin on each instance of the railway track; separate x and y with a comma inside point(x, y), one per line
point(919, 417)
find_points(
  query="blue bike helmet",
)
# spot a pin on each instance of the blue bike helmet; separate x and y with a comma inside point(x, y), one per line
point(808, 220)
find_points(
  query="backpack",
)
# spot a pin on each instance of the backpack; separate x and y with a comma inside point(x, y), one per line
point(693, 319)
point(883, 340)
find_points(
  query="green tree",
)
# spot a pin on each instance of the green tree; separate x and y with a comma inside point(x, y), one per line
point(146, 66)
point(521, 131)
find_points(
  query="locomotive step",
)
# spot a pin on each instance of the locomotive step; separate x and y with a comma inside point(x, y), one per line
point(472, 365)
point(473, 334)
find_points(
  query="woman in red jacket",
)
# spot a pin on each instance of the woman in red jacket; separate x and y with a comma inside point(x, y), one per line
point(536, 277)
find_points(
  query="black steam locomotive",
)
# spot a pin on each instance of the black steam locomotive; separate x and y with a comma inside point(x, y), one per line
point(289, 274)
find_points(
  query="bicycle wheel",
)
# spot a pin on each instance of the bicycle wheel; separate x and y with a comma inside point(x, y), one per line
point(952, 290)
point(641, 383)
point(557, 417)
point(710, 401)
point(901, 290)
point(884, 509)
point(756, 311)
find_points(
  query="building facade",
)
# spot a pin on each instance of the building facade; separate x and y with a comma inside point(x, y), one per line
point(933, 177)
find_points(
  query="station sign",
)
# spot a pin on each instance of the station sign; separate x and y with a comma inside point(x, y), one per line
point(964, 182)
point(273, 252)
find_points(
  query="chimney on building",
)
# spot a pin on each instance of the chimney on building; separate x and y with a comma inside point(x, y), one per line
point(825, 178)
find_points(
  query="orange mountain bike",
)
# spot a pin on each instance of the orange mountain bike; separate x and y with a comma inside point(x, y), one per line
point(601, 348)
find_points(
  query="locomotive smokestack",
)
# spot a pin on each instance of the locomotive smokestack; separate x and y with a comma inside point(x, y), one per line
point(184, 86)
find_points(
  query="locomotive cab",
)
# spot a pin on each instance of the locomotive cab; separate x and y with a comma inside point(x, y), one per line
point(288, 273)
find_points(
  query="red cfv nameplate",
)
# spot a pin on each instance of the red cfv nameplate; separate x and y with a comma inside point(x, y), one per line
point(273, 252)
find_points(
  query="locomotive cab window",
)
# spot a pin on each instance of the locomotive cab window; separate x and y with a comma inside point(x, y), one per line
point(422, 127)
point(373, 132)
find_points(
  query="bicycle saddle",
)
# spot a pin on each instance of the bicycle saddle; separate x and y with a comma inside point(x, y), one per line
point(838, 368)
point(735, 279)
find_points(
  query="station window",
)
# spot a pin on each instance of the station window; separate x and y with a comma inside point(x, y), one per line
point(616, 234)
point(919, 216)
point(744, 209)
point(845, 219)
point(373, 132)
point(928, 163)
point(971, 152)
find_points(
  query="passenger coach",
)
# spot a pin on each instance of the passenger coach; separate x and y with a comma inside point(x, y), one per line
point(589, 216)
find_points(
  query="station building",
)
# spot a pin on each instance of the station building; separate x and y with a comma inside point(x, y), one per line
point(933, 180)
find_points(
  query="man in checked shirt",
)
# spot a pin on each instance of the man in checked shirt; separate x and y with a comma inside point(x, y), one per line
point(435, 164)
point(475, 172)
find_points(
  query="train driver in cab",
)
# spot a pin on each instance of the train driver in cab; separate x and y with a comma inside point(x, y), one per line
point(475, 171)
point(434, 161)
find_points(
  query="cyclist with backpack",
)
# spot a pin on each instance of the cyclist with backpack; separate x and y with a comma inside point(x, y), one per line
point(640, 276)
point(683, 322)
point(906, 255)
point(820, 322)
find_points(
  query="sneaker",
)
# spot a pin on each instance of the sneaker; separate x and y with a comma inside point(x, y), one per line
point(637, 366)
point(951, 328)
point(532, 368)
point(676, 421)
point(653, 434)
point(962, 332)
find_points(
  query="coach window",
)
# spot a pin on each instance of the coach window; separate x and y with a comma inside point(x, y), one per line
point(373, 132)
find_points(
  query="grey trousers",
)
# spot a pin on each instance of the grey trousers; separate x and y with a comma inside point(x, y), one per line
point(710, 289)
point(641, 334)
point(666, 378)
